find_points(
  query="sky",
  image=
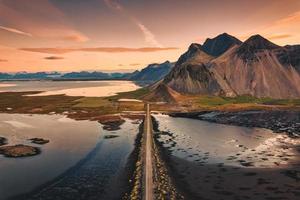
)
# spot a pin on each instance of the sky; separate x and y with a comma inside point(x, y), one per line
point(125, 35)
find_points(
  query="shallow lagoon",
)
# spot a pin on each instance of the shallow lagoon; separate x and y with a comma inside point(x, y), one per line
point(70, 88)
point(80, 145)
point(196, 140)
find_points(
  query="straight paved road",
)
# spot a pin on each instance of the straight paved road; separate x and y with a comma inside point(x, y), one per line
point(148, 152)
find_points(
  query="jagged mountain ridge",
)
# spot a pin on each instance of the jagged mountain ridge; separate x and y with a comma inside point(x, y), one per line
point(153, 72)
point(255, 67)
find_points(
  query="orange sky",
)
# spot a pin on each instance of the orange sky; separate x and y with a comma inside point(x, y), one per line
point(120, 35)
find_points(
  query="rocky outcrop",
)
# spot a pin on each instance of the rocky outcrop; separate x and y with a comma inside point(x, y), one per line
point(19, 150)
point(3, 141)
point(39, 141)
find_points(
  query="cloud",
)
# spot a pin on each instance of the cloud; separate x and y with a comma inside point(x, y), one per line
point(135, 64)
point(53, 58)
point(3, 60)
point(38, 18)
point(268, 36)
point(148, 35)
point(292, 18)
point(289, 24)
point(277, 37)
point(76, 37)
point(114, 5)
point(98, 49)
point(13, 30)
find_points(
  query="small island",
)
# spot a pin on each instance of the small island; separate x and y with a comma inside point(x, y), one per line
point(19, 150)
point(39, 141)
point(3, 141)
point(111, 136)
point(111, 123)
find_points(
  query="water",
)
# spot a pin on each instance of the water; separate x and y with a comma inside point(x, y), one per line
point(212, 143)
point(214, 161)
point(101, 160)
point(69, 88)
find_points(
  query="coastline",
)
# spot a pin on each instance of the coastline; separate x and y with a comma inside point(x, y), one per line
point(200, 180)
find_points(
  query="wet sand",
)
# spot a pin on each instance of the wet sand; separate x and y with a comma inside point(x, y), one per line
point(204, 181)
point(269, 170)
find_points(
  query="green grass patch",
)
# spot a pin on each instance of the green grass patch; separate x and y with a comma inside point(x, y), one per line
point(92, 102)
point(137, 94)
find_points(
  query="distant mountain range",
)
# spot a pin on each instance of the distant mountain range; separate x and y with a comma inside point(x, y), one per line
point(226, 66)
point(148, 75)
point(153, 72)
point(83, 75)
point(222, 66)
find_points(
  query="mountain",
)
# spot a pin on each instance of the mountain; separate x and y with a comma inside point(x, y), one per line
point(83, 75)
point(152, 72)
point(5, 76)
point(290, 55)
point(195, 54)
point(191, 76)
point(257, 68)
point(28, 76)
point(86, 75)
point(225, 66)
point(248, 50)
point(162, 93)
point(220, 44)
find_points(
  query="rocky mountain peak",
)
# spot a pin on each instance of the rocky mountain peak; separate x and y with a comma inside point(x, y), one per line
point(220, 44)
point(195, 47)
point(195, 52)
point(258, 42)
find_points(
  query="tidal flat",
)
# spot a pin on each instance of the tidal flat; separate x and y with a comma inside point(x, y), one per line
point(218, 161)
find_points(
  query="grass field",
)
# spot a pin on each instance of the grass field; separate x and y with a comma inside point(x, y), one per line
point(14, 102)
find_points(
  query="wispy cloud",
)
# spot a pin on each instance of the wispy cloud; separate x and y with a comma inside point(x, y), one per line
point(13, 30)
point(40, 18)
point(148, 35)
point(279, 36)
point(292, 18)
point(134, 64)
point(3, 60)
point(76, 37)
point(53, 58)
point(268, 36)
point(98, 49)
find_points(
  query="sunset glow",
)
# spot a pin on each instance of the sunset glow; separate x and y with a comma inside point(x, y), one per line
point(117, 35)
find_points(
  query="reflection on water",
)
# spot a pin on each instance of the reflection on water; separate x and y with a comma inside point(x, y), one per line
point(211, 143)
point(70, 88)
point(70, 141)
point(20, 175)
point(101, 174)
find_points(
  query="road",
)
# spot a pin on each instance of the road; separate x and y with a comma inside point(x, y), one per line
point(148, 158)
